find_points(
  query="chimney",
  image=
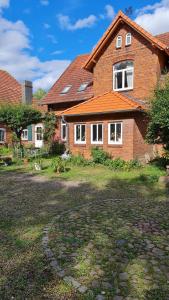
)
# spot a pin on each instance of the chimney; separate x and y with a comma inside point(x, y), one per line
point(27, 92)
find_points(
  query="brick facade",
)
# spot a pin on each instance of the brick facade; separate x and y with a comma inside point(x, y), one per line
point(148, 64)
point(133, 132)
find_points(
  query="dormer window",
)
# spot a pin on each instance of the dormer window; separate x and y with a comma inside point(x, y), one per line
point(128, 39)
point(119, 41)
point(83, 86)
point(66, 89)
point(123, 75)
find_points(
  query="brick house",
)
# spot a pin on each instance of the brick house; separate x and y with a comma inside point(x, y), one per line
point(12, 92)
point(124, 68)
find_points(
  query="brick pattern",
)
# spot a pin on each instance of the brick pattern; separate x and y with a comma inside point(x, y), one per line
point(148, 63)
point(133, 144)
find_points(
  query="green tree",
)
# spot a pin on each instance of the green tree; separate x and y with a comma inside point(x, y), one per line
point(18, 117)
point(50, 123)
point(158, 129)
point(39, 94)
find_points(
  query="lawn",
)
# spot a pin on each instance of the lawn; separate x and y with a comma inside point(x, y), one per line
point(114, 238)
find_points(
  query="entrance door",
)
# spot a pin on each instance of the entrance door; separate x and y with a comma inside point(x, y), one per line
point(38, 135)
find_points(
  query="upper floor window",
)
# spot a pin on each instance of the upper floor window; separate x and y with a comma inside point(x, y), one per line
point(80, 134)
point(66, 89)
point(82, 87)
point(24, 135)
point(119, 41)
point(2, 135)
point(123, 75)
point(128, 39)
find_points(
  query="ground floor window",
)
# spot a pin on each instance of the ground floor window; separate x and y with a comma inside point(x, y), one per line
point(97, 133)
point(63, 131)
point(2, 135)
point(24, 135)
point(80, 134)
point(115, 133)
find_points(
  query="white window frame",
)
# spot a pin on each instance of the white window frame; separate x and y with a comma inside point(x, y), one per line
point(4, 130)
point(128, 35)
point(24, 138)
point(75, 137)
point(115, 142)
point(84, 85)
point(63, 125)
point(97, 125)
point(66, 89)
point(123, 79)
point(119, 42)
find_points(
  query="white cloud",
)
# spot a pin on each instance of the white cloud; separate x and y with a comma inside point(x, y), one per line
point(52, 38)
point(65, 22)
point(154, 18)
point(110, 13)
point(44, 2)
point(15, 57)
point(57, 52)
point(4, 4)
point(46, 25)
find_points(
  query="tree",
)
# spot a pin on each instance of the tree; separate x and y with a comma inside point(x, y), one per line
point(158, 129)
point(50, 121)
point(39, 94)
point(18, 117)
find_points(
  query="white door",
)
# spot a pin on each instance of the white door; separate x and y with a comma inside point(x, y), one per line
point(38, 135)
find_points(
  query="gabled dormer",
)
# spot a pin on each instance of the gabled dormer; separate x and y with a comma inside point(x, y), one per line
point(127, 59)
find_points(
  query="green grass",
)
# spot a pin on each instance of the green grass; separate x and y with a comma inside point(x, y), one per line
point(29, 200)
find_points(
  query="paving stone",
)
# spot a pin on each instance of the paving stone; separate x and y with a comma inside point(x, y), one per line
point(123, 276)
point(100, 297)
point(118, 298)
point(82, 289)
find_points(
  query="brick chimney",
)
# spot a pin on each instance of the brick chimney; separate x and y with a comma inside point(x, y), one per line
point(27, 92)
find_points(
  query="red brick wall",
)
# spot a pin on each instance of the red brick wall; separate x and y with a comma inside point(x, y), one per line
point(148, 63)
point(8, 139)
point(134, 132)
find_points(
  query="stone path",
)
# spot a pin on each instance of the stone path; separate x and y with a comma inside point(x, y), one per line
point(113, 249)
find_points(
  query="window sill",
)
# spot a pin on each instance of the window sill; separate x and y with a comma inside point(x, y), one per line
point(121, 90)
point(96, 143)
point(115, 145)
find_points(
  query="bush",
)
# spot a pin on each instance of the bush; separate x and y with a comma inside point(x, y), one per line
point(58, 164)
point(79, 160)
point(4, 151)
point(99, 156)
point(57, 148)
point(115, 164)
point(132, 164)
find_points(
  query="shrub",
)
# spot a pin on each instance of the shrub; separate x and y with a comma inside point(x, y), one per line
point(79, 160)
point(4, 151)
point(57, 148)
point(115, 164)
point(99, 156)
point(132, 164)
point(58, 164)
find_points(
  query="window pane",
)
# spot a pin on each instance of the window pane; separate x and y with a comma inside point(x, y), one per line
point(94, 138)
point(39, 133)
point(128, 79)
point(2, 136)
point(123, 65)
point(83, 138)
point(118, 80)
point(118, 132)
point(77, 132)
point(100, 133)
point(112, 132)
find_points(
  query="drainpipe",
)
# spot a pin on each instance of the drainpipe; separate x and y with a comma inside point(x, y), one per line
point(67, 132)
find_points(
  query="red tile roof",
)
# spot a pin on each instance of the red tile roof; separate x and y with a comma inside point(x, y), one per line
point(90, 62)
point(106, 103)
point(74, 75)
point(164, 38)
point(10, 89)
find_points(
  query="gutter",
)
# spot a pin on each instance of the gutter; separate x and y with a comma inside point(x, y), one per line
point(106, 112)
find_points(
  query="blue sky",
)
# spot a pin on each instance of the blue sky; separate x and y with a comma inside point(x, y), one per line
point(39, 38)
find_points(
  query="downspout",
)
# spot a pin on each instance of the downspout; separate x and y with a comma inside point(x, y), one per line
point(67, 132)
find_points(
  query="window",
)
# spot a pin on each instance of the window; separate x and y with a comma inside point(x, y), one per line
point(39, 133)
point(123, 76)
point(2, 135)
point(115, 133)
point(82, 87)
point(66, 89)
point(24, 135)
point(80, 134)
point(63, 131)
point(128, 39)
point(97, 133)
point(119, 42)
